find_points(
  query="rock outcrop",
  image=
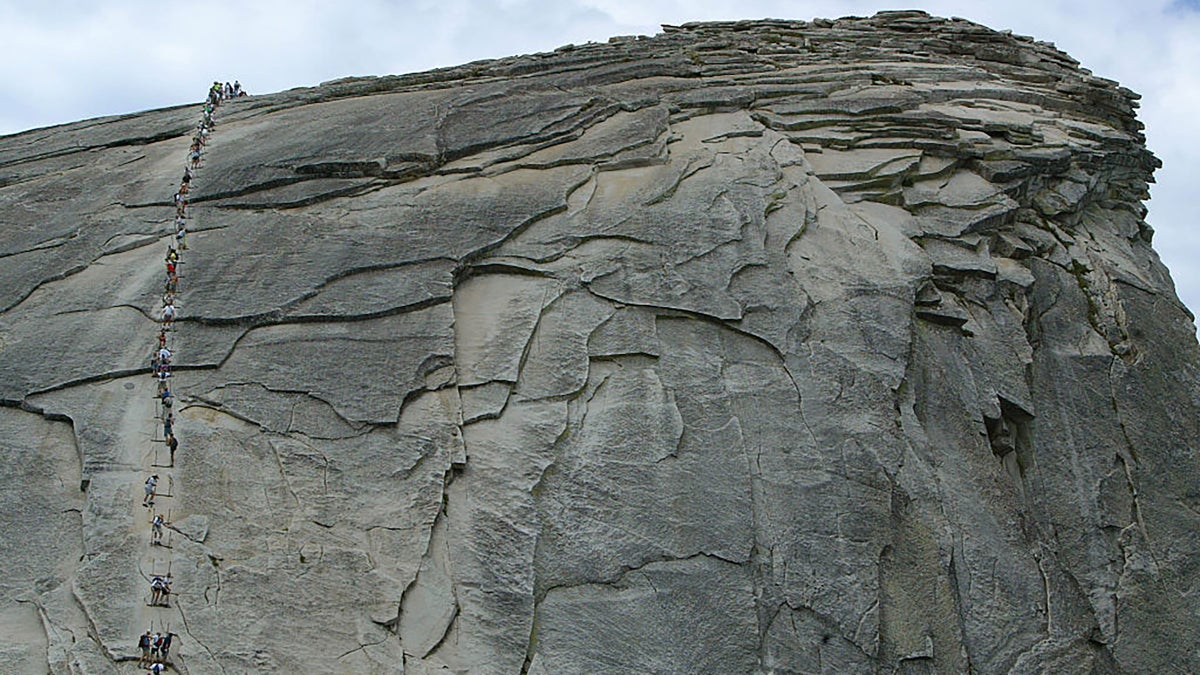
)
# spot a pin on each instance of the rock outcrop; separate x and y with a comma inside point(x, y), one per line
point(756, 347)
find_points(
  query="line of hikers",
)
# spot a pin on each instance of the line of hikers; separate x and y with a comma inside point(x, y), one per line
point(154, 649)
point(227, 90)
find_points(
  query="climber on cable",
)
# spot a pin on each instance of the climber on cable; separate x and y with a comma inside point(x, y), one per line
point(151, 486)
point(144, 648)
point(159, 591)
point(156, 525)
point(164, 650)
point(165, 594)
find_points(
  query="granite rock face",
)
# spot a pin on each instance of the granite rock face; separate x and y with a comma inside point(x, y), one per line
point(757, 347)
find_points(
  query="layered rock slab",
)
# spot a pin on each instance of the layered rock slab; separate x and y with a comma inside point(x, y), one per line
point(769, 346)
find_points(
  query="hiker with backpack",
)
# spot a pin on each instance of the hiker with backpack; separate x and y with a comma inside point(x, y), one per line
point(144, 649)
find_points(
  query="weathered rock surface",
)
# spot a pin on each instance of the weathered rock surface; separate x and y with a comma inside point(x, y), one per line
point(759, 347)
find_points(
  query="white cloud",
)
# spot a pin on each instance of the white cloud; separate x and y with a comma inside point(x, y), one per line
point(65, 60)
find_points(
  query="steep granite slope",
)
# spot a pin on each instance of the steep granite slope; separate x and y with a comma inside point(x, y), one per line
point(760, 347)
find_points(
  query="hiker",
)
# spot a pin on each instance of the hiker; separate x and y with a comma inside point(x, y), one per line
point(164, 596)
point(168, 298)
point(172, 284)
point(164, 354)
point(157, 668)
point(237, 89)
point(168, 422)
point(156, 525)
point(151, 486)
point(168, 312)
point(195, 159)
point(144, 648)
point(155, 641)
point(157, 585)
point(181, 239)
point(162, 338)
point(172, 445)
point(165, 650)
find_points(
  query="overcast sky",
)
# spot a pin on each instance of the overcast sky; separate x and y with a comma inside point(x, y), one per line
point(66, 60)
